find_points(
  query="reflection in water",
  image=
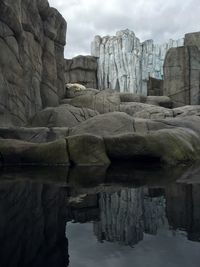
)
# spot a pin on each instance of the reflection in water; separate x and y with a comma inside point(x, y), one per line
point(183, 208)
point(127, 214)
point(32, 225)
point(35, 213)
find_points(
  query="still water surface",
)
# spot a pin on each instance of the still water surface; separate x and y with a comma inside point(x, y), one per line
point(49, 219)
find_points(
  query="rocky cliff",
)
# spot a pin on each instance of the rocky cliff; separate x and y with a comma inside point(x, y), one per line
point(182, 72)
point(125, 64)
point(82, 70)
point(32, 39)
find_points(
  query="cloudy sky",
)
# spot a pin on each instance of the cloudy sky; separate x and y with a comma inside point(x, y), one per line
point(149, 19)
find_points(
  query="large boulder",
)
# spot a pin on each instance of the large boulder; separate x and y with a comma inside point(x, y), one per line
point(171, 146)
point(15, 152)
point(105, 124)
point(61, 116)
point(87, 149)
point(32, 39)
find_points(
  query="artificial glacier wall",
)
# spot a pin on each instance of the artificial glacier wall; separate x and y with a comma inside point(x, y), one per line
point(125, 64)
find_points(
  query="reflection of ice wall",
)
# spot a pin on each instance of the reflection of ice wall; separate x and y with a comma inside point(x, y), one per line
point(154, 214)
point(127, 214)
point(125, 64)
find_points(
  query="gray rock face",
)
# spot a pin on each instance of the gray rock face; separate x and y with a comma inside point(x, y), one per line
point(182, 71)
point(32, 39)
point(83, 70)
point(125, 64)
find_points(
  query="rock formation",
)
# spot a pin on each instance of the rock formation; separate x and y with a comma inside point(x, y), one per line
point(32, 39)
point(182, 72)
point(109, 137)
point(83, 70)
point(125, 64)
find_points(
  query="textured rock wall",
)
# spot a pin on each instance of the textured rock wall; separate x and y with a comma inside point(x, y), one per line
point(125, 64)
point(182, 72)
point(83, 70)
point(32, 39)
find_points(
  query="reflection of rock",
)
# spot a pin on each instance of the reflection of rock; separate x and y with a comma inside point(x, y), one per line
point(120, 217)
point(154, 213)
point(125, 215)
point(183, 208)
point(32, 225)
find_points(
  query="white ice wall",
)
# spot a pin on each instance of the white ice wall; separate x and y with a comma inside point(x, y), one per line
point(125, 64)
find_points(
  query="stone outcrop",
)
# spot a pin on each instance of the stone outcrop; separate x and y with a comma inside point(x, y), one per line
point(182, 72)
point(125, 64)
point(83, 70)
point(32, 39)
point(109, 137)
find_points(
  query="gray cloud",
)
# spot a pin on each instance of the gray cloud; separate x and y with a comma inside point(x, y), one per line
point(153, 19)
